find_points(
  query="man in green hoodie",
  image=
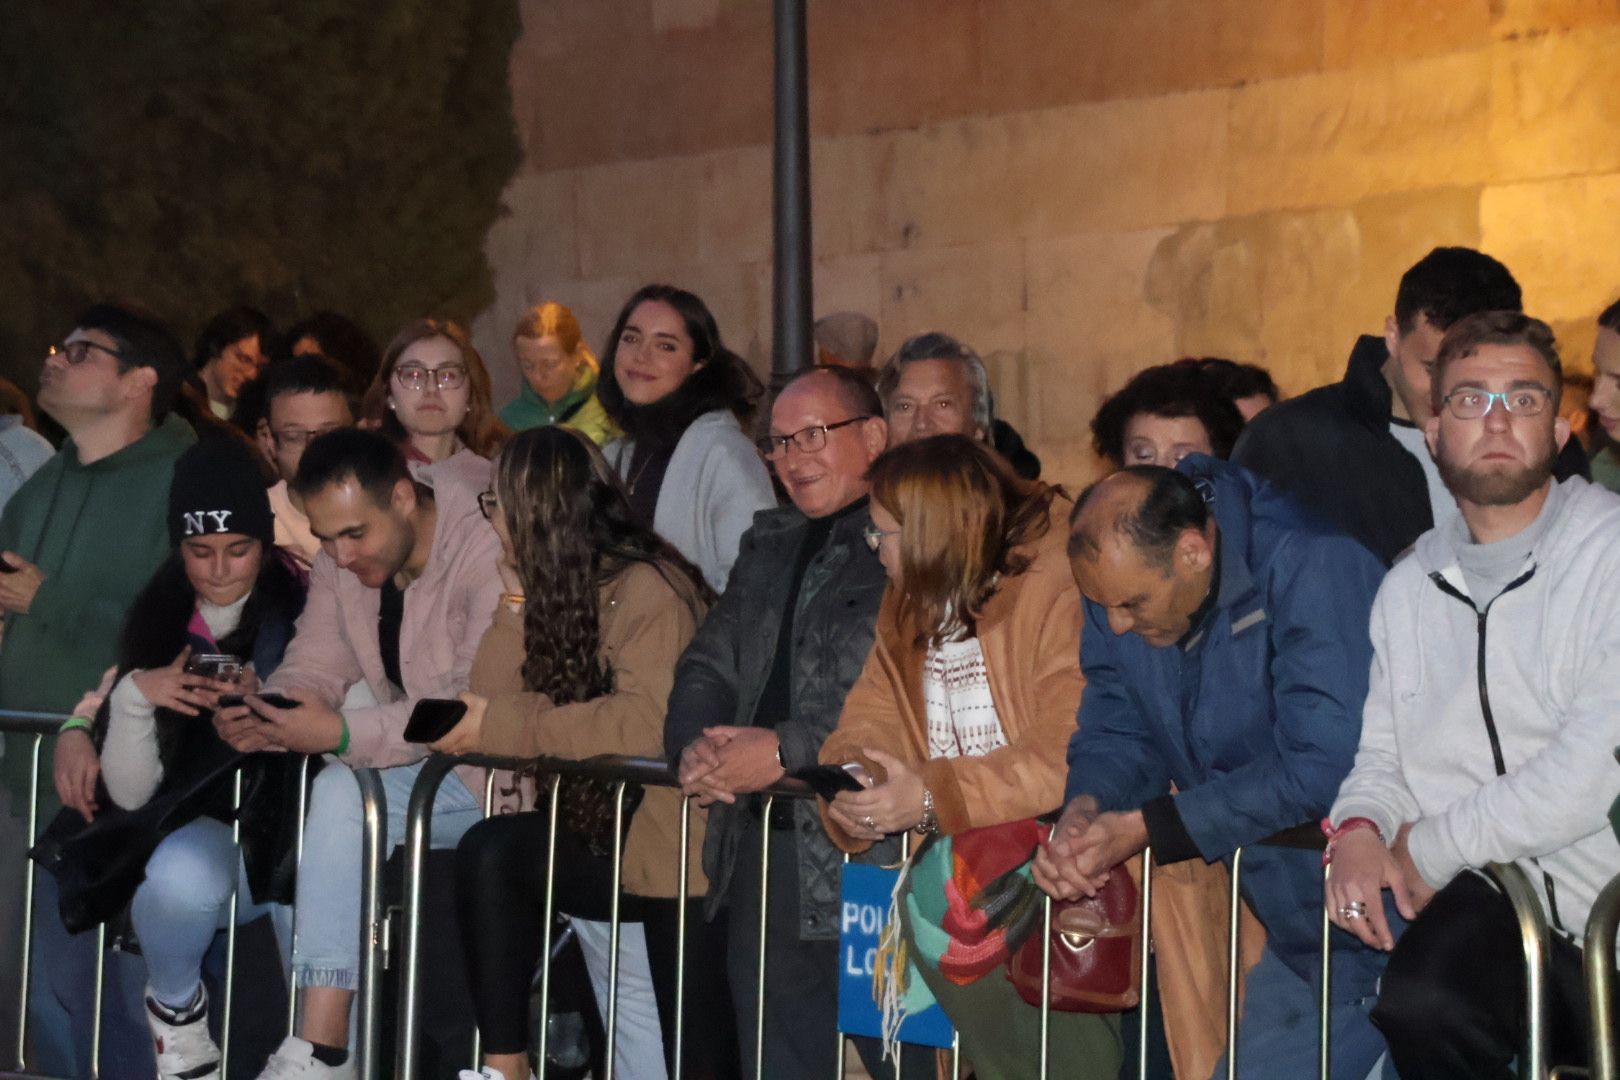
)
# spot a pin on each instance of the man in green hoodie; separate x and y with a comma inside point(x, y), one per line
point(79, 540)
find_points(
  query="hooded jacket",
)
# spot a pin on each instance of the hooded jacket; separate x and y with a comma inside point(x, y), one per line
point(1494, 725)
point(97, 532)
point(1253, 716)
point(1331, 449)
point(579, 409)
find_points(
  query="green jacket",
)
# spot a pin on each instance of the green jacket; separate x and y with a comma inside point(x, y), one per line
point(578, 409)
point(97, 532)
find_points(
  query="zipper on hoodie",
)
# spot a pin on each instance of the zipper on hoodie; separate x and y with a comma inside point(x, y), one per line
point(1481, 619)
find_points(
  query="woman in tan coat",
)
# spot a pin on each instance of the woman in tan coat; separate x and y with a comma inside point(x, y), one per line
point(962, 716)
point(578, 662)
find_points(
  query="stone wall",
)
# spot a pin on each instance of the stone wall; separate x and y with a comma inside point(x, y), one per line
point(1079, 188)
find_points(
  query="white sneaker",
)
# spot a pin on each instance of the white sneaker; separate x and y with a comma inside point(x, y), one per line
point(184, 1051)
point(486, 1073)
point(295, 1060)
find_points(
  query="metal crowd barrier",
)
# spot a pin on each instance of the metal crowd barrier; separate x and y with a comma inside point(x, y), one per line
point(1600, 938)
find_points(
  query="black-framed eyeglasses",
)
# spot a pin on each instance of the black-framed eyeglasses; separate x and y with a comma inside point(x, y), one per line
point(76, 352)
point(414, 377)
point(1472, 403)
point(487, 505)
point(874, 535)
point(808, 440)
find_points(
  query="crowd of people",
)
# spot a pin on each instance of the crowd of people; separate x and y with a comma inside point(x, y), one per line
point(1381, 609)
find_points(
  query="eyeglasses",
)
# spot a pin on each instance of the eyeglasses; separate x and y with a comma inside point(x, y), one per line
point(1470, 403)
point(487, 505)
point(808, 440)
point(412, 377)
point(293, 437)
point(874, 535)
point(76, 352)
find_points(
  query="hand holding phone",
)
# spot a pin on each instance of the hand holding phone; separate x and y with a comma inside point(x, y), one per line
point(828, 780)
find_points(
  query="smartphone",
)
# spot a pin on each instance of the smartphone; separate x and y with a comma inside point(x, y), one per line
point(827, 780)
point(433, 718)
point(220, 666)
point(277, 701)
point(7, 566)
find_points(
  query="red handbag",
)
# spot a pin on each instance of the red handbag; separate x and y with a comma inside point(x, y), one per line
point(1096, 951)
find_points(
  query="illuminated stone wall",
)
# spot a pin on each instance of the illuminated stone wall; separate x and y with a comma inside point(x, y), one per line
point(1079, 188)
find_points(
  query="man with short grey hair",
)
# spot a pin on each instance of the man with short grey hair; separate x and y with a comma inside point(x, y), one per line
point(936, 385)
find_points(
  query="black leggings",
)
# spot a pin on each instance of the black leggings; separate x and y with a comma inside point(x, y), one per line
point(500, 896)
point(1452, 1001)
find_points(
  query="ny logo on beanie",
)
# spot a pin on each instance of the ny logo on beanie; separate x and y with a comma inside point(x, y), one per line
point(196, 525)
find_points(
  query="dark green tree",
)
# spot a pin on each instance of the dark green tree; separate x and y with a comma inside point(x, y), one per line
point(291, 154)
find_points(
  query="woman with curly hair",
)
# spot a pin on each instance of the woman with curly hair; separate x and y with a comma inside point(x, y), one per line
point(578, 662)
point(432, 396)
point(1165, 413)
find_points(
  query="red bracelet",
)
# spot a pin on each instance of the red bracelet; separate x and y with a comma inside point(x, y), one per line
point(1348, 825)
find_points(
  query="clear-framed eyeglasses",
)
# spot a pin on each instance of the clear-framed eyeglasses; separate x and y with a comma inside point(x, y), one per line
point(415, 377)
point(1472, 403)
point(808, 440)
point(295, 437)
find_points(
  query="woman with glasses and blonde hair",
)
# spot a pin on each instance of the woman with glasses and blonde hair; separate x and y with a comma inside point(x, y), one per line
point(579, 662)
point(962, 716)
point(432, 396)
point(559, 376)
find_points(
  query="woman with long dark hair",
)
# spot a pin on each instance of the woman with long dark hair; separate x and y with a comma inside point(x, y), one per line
point(432, 396)
point(579, 662)
point(683, 400)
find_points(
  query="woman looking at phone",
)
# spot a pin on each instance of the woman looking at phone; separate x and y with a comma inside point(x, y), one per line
point(224, 593)
point(579, 662)
point(963, 713)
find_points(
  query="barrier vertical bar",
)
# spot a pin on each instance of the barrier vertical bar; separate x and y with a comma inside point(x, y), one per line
point(683, 887)
point(1533, 933)
point(418, 835)
point(1147, 956)
point(843, 1041)
point(229, 1003)
point(1046, 983)
point(97, 1000)
point(549, 915)
point(1325, 1029)
point(1234, 921)
point(374, 812)
point(489, 808)
point(1598, 958)
point(764, 910)
point(613, 931)
point(298, 861)
point(28, 905)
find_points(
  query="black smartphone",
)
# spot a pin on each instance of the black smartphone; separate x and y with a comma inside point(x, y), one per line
point(433, 718)
point(827, 780)
point(220, 666)
point(277, 701)
point(7, 566)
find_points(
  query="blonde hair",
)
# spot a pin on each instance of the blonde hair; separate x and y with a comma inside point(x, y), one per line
point(558, 321)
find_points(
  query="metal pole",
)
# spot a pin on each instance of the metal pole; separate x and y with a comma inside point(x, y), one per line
point(684, 888)
point(374, 809)
point(489, 808)
point(418, 834)
point(1046, 984)
point(1601, 927)
point(1233, 923)
point(613, 931)
point(547, 918)
point(764, 909)
point(28, 905)
point(1533, 932)
point(230, 931)
point(1325, 1030)
point(1144, 1004)
point(298, 861)
point(96, 1001)
point(790, 197)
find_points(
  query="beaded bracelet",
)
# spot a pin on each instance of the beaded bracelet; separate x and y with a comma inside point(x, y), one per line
point(1348, 825)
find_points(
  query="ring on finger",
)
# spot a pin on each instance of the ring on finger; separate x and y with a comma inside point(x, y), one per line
point(869, 822)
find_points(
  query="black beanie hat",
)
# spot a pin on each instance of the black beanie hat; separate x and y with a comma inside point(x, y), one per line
point(217, 488)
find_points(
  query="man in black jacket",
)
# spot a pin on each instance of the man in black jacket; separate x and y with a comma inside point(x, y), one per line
point(757, 692)
point(1353, 451)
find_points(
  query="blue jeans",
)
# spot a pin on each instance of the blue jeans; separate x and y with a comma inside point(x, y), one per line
point(1277, 1033)
point(185, 901)
point(326, 951)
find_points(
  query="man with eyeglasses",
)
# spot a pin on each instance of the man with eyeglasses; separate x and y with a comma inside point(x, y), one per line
point(304, 399)
point(78, 541)
point(757, 692)
point(1491, 722)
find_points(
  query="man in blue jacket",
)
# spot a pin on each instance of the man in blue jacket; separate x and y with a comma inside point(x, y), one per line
point(1226, 652)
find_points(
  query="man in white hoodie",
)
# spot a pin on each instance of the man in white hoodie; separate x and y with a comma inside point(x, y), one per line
point(1491, 721)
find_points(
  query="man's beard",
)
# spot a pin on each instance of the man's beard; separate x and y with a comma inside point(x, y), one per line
point(1499, 487)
